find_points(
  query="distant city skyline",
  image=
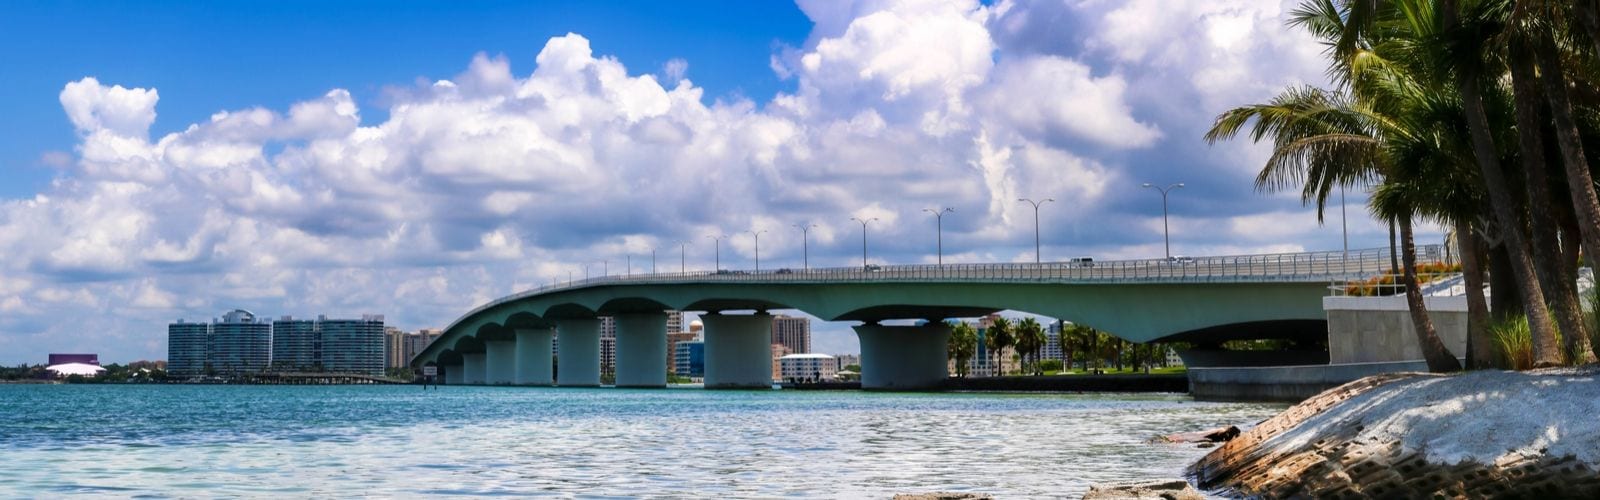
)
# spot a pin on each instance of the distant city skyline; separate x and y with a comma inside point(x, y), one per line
point(286, 167)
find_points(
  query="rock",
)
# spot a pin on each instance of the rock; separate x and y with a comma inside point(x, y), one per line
point(1169, 489)
point(1482, 434)
point(1205, 445)
point(1218, 435)
point(943, 495)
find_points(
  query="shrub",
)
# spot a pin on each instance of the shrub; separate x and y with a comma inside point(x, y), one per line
point(1514, 342)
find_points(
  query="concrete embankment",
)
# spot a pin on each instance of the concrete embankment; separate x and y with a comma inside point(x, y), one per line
point(1486, 434)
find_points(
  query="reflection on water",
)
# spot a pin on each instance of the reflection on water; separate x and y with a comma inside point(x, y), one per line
point(403, 441)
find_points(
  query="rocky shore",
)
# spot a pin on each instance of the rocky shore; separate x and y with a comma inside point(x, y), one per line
point(1487, 434)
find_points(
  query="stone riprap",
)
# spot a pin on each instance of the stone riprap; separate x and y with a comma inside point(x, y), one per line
point(1483, 434)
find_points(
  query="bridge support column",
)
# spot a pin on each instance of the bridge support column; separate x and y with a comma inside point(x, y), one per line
point(903, 357)
point(472, 369)
point(738, 351)
point(579, 362)
point(500, 362)
point(641, 350)
point(533, 357)
point(452, 374)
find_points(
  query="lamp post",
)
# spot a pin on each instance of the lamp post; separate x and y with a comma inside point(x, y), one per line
point(1036, 253)
point(938, 224)
point(805, 239)
point(757, 235)
point(652, 260)
point(863, 239)
point(1165, 233)
point(630, 266)
point(683, 257)
point(716, 240)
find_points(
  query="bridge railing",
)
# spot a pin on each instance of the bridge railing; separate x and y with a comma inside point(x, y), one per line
point(1288, 267)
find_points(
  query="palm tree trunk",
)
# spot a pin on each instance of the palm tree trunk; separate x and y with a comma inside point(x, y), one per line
point(1433, 350)
point(1480, 348)
point(1504, 300)
point(1504, 206)
point(1554, 274)
point(1394, 254)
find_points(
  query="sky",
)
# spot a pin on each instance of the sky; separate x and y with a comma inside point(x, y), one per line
point(170, 160)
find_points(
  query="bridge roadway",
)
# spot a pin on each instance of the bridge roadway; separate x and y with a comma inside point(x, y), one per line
point(511, 340)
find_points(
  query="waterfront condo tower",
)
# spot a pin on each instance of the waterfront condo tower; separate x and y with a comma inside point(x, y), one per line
point(236, 344)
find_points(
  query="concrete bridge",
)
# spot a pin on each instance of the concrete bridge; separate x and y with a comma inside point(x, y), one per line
point(1207, 299)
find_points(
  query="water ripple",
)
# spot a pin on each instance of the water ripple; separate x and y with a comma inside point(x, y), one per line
point(252, 441)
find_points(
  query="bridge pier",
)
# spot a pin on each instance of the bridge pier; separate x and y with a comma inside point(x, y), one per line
point(452, 374)
point(641, 350)
point(500, 362)
point(738, 351)
point(533, 357)
point(903, 357)
point(579, 363)
point(472, 368)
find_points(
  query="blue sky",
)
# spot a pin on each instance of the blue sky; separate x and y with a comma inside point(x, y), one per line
point(177, 160)
point(210, 56)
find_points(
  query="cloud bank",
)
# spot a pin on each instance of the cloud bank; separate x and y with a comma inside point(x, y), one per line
point(488, 181)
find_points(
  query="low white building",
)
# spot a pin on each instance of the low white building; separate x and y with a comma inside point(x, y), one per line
point(70, 369)
point(808, 368)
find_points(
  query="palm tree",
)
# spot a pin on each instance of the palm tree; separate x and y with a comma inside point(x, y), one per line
point(998, 337)
point(963, 344)
point(1030, 339)
point(1326, 139)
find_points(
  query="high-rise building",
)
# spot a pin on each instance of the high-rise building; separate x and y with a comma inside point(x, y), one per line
point(393, 347)
point(239, 344)
point(791, 332)
point(416, 342)
point(674, 322)
point(295, 346)
point(608, 355)
point(608, 344)
point(352, 345)
point(778, 351)
point(235, 344)
point(848, 359)
point(186, 349)
point(1052, 345)
point(330, 345)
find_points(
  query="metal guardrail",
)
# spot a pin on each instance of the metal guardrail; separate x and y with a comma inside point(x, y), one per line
point(1283, 267)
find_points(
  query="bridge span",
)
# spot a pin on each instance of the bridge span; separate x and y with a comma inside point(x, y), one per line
point(510, 341)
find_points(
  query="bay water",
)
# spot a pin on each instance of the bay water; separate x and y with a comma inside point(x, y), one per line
point(403, 441)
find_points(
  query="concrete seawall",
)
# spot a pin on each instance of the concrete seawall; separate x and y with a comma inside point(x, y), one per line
point(1284, 383)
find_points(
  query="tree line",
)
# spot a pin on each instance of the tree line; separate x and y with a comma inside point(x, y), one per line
point(1475, 114)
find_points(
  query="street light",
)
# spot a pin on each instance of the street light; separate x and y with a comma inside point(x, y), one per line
point(757, 235)
point(805, 238)
point(938, 224)
point(1165, 234)
point(1036, 204)
point(716, 240)
point(683, 257)
point(863, 239)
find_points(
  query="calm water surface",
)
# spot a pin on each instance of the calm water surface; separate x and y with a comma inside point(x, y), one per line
point(306, 441)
